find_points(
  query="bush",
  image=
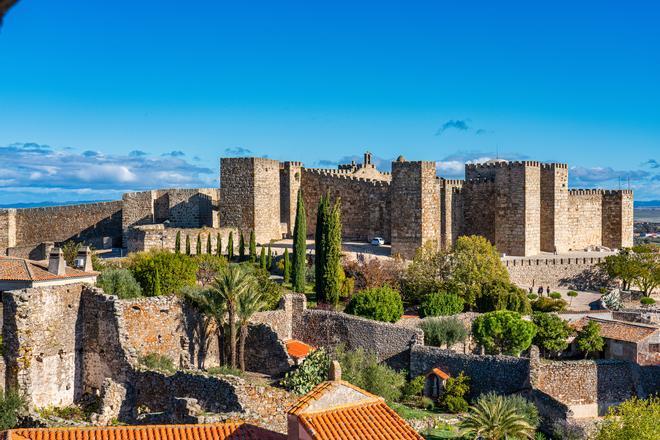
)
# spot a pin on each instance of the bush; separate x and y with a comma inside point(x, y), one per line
point(633, 419)
point(552, 332)
point(526, 408)
point(373, 272)
point(158, 362)
point(646, 301)
point(440, 304)
point(413, 388)
point(456, 388)
point(455, 404)
point(208, 267)
point(11, 404)
point(173, 271)
point(119, 282)
point(503, 332)
point(443, 331)
point(270, 290)
point(427, 403)
point(363, 370)
point(502, 295)
point(381, 304)
point(312, 371)
point(532, 296)
point(555, 295)
point(224, 370)
point(427, 273)
point(549, 305)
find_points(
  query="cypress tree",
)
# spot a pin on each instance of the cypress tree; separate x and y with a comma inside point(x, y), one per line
point(156, 283)
point(241, 248)
point(198, 248)
point(299, 246)
point(208, 244)
point(269, 260)
point(218, 245)
point(332, 258)
point(253, 247)
point(230, 245)
point(187, 244)
point(320, 245)
point(287, 266)
point(262, 258)
point(177, 243)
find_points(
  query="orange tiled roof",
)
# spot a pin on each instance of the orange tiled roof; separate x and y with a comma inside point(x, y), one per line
point(297, 349)
point(19, 269)
point(319, 390)
point(438, 372)
point(370, 421)
point(618, 330)
point(219, 431)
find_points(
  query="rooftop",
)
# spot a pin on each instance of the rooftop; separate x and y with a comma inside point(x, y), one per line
point(619, 330)
point(297, 350)
point(19, 269)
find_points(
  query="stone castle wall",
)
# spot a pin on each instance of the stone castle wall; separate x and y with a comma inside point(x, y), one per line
point(148, 237)
point(365, 207)
point(290, 182)
point(87, 222)
point(572, 273)
point(618, 212)
point(554, 206)
point(585, 218)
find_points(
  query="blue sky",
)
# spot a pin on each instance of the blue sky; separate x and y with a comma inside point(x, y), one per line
point(101, 97)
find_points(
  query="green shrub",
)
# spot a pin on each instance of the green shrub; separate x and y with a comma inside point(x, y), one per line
point(173, 271)
point(312, 371)
point(158, 362)
point(503, 332)
point(381, 304)
point(440, 304)
point(502, 295)
point(224, 370)
point(443, 331)
point(526, 408)
point(647, 301)
point(427, 403)
point(455, 404)
point(532, 296)
point(544, 304)
point(552, 332)
point(572, 293)
point(555, 295)
point(119, 282)
point(363, 370)
point(11, 405)
point(413, 388)
point(271, 292)
point(453, 399)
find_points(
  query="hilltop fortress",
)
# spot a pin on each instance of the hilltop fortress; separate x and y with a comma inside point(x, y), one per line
point(523, 207)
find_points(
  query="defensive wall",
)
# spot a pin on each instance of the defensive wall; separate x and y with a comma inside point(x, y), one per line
point(148, 237)
point(580, 273)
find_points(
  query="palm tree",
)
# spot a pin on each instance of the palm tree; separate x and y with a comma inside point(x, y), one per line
point(249, 303)
point(495, 417)
point(212, 306)
point(231, 283)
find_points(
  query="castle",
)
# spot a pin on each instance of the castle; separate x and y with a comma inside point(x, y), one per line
point(524, 208)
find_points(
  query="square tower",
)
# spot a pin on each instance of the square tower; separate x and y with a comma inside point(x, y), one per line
point(415, 206)
point(554, 207)
point(290, 180)
point(250, 196)
point(617, 219)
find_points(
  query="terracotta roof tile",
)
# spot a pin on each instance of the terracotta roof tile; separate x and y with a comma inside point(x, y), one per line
point(297, 349)
point(370, 421)
point(438, 372)
point(618, 330)
point(19, 269)
point(219, 431)
point(323, 388)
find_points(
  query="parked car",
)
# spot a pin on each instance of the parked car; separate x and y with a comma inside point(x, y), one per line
point(377, 241)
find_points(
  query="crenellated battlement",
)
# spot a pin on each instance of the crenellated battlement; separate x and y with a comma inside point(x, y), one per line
point(346, 176)
point(503, 164)
point(598, 191)
point(554, 165)
point(291, 164)
point(451, 182)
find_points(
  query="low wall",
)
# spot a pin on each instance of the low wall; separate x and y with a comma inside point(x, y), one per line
point(31, 252)
point(571, 273)
point(390, 342)
point(500, 374)
point(144, 238)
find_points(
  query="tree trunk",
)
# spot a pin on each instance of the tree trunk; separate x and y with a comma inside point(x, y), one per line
point(242, 338)
point(232, 334)
point(221, 343)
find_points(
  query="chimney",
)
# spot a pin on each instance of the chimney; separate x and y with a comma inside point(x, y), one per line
point(84, 259)
point(56, 263)
point(335, 371)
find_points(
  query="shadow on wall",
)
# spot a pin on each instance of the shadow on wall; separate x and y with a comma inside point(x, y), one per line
point(592, 278)
point(264, 352)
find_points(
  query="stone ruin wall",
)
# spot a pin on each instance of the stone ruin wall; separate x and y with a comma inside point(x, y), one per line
point(365, 204)
point(86, 222)
point(145, 238)
point(572, 273)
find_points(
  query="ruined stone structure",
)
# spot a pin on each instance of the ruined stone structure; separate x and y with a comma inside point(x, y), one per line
point(524, 208)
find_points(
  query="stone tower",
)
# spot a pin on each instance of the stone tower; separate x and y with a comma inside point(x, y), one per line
point(554, 207)
point(617, 219)
point(250, 196)
point(415, 206)
point(290, 180)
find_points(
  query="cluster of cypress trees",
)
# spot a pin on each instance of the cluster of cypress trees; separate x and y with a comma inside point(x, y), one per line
point(327, 260)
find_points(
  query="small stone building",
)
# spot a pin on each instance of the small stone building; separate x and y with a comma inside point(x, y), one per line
point(630, 341)
point(434, 384)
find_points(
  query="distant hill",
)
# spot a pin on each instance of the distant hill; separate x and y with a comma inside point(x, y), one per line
point(647, 204)
point(45, 204)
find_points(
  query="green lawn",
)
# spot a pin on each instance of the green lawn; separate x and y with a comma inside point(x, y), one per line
point(436, 434)
point(410, 413)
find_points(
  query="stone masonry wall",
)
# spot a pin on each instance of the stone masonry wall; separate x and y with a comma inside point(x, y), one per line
point(86, 222)
point(554, 207)
point(42, 334)
point(450, 196)
point(365, 207)
point(479, 209)
point(290, 181)
point(501, 374)
point(144, 238)
point(390, 342)
point(572, 273)
point(585, 212)
point(617, 219)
